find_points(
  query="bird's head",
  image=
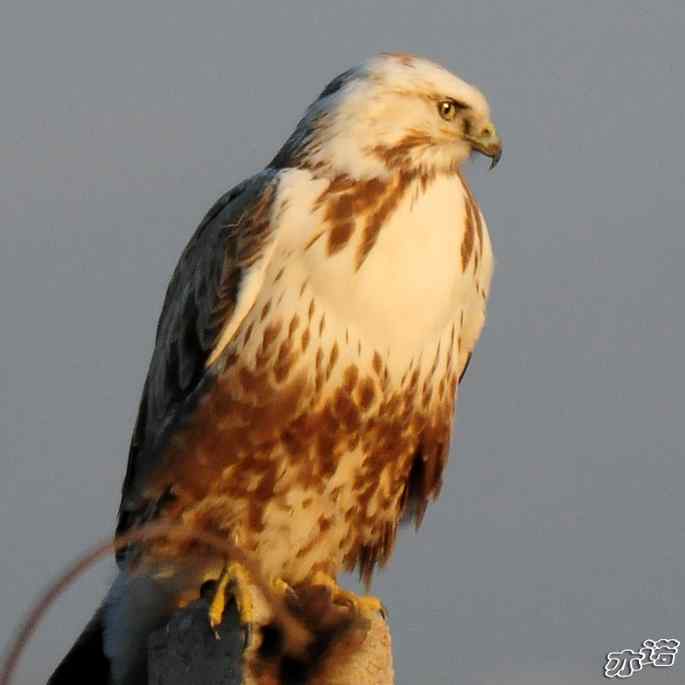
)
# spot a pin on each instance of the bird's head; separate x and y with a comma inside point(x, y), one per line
point(393, 112)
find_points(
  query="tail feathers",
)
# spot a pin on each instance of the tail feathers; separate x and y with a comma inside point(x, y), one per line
point(86, 660)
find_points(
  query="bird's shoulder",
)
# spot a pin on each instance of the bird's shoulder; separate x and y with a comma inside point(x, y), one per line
point(204, 293)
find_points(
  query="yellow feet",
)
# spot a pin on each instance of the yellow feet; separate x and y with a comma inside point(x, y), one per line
point(282, 589)
point(365, 606)
point(253, 608)
point(235, 582)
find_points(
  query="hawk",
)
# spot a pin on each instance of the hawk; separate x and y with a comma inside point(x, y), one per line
point(301, 392)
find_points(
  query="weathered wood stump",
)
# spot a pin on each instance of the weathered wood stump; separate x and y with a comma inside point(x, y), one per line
point(186, 651)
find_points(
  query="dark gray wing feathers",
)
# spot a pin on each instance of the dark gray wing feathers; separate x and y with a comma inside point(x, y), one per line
point(201, 296)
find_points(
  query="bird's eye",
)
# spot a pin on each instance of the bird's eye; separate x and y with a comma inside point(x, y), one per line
point(447, 109)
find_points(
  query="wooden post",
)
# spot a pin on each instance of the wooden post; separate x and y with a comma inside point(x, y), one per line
point(187, 652)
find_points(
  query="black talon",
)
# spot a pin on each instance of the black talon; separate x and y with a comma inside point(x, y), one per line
point(384, 612)
point(246, 636)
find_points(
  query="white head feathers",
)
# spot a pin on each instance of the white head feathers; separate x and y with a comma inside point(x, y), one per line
point(386, 114)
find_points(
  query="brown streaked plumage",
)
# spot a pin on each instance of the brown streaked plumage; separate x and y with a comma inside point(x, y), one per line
point(398, 155)
point(302, 388)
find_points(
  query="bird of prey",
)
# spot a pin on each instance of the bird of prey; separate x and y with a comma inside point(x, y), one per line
point(301, 392)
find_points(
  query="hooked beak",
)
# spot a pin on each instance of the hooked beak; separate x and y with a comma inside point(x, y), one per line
point(488, 143)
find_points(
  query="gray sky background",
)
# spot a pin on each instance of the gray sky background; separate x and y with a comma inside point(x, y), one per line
point(559, 534)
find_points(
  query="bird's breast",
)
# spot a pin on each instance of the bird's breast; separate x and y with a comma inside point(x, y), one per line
point(396, 260)
point(347, 362)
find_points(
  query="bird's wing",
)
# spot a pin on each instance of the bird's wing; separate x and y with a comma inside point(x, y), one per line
point(213, 286)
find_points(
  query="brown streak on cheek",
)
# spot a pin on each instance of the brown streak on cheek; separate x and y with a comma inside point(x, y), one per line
point(398, 156)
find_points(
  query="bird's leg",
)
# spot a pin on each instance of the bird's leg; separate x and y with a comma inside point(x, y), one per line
point(235, 582)
point(365, 606)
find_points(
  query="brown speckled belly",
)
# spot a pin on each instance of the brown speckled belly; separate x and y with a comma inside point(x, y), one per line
point(311, 466)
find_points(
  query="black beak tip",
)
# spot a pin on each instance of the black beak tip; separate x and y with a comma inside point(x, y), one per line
point(495, 159)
